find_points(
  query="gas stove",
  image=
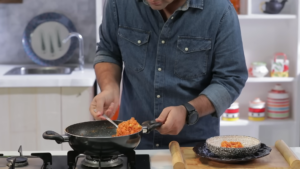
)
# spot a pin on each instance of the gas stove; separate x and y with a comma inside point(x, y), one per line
point(74, 160)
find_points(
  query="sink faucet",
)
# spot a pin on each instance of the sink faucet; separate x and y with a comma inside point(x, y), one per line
point(81, 48)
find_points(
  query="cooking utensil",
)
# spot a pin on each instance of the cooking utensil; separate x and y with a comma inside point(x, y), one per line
point(107, 118)
point(94, 138)
point(273, 6)
point(177, 158)
point(250, 146)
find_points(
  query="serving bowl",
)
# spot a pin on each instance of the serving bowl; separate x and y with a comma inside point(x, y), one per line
point(250, 146)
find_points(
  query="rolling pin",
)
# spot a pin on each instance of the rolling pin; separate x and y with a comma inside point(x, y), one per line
point(177, 158)
point(287, 153)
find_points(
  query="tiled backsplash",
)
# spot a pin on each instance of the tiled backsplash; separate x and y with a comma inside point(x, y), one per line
point(14, 19)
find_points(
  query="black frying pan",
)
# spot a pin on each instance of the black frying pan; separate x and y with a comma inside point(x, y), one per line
point(94, 138)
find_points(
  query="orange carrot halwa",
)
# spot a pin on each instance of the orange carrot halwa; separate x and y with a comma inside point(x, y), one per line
point(128, 127)
point(231, 144)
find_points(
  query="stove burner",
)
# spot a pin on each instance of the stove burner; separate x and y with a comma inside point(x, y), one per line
point(112, 161)
point(103, 158)
point(19, 162)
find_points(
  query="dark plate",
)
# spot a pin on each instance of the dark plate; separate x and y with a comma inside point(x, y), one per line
point(37, 21)
point(202, 151)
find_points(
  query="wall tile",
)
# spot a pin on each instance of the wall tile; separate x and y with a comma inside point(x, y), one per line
point(48, 116)
point(4, 122)
point(22, 103)
point(3, 20)
point(71, 101)
point(26, 139)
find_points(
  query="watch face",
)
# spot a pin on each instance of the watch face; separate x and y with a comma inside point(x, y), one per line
point(193, 118)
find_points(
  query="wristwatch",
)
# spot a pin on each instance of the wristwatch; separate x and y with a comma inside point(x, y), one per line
point(192, 115)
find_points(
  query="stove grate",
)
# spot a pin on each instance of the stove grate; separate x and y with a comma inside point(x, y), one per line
point(21, 161)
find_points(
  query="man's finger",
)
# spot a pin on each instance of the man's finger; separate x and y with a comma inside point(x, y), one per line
point(109, 112)
point(165, 128)
point(101, 118)
point(93, 109)
point(163, 115)
point(163, 118)
point(99, 107)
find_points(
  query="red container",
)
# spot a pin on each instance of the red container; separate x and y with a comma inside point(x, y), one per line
point(256, 110)
point(236, 5)
point(232, 113)
point(278, 103)
point(116, 115)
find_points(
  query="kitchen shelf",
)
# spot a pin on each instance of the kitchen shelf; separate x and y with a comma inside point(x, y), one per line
point(267, 16)
point(240, 122)
point(244, 122)
point(270, 79)
point(273, 122)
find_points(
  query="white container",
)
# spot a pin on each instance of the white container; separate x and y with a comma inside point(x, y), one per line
point(259, 69)
point(257, 104)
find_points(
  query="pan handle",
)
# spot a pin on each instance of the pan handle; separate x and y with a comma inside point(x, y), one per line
point(51, 135)
point(149, 126)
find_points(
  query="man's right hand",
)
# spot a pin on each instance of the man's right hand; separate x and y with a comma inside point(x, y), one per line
point(106, 103)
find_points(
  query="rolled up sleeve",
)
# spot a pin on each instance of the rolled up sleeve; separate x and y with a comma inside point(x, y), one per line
point(229, 66)
point(108, 49)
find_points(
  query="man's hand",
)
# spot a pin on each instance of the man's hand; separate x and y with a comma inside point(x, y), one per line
point(106, 103)
point(173, 119)
point(108, 78)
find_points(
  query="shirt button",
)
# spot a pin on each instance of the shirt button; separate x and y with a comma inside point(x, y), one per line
point(172, 17)
point(186, 49)
point(159, 69)
point(139, 41)
point(158, 96)
point(157, 145)
point(163, 42)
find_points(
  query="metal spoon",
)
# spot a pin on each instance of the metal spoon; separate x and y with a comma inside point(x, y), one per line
point(108, 119)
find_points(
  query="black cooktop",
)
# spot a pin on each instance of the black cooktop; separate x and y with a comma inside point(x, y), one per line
point(73, 160)
point(142, 162)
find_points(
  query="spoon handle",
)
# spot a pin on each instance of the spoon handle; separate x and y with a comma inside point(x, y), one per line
point(107, 118)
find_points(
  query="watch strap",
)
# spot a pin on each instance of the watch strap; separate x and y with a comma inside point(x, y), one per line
point(189, 110)
point(189, 107)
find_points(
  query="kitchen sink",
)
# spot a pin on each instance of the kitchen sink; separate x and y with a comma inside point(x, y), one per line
point(40, 71)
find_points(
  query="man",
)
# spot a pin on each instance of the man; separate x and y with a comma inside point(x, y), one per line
point(184, 65)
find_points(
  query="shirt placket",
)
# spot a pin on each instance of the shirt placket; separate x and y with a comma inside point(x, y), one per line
point(162, 47)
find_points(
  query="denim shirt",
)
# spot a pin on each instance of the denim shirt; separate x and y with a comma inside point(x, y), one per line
point(197, 51)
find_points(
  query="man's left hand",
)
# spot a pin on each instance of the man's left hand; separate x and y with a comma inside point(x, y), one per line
point(173, 119)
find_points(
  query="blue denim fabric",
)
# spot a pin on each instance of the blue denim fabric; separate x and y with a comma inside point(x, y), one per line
point(197, 51)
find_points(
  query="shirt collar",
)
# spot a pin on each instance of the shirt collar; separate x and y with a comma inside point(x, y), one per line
point(189, 3)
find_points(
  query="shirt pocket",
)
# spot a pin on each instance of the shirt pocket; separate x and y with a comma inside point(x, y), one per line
point(133, 44)
point(191, 57)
